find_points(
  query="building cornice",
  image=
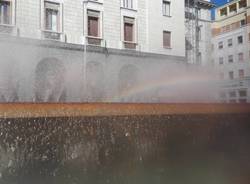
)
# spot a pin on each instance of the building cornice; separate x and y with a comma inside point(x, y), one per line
point(97, 49)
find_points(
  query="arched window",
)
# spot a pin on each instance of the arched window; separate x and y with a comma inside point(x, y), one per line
point(49, 80)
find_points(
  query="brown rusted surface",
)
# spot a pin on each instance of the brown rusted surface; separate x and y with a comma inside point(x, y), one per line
point(20, 110)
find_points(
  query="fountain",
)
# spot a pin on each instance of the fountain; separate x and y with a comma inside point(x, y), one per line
point(124, 143)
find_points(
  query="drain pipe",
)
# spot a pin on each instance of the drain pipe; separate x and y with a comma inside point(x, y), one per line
point(84, 67)
point(83, 92)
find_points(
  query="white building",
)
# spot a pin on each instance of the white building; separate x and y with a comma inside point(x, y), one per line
point(144, 23)
point(101, 46)
point(231, 51)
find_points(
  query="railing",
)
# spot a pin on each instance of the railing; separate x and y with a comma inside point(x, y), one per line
point(129, 45)
point(91, 40)
point(51, 35)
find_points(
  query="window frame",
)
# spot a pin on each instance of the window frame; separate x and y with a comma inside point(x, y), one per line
point(170, 39)
point(230, 58)
point(60, 16)
point(242, 4)
point(128, 44)
point(231, 75)
point(97, 16)
point(241, 73)
point(230, 42)
point(242, 93)
point(220, 45)
point(241, 57)
point(12, 13)
point(166, 5)
point(221, 60)
point(238, 39)
point(129, 4)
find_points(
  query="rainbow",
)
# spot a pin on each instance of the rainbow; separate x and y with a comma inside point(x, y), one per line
point(174, 85)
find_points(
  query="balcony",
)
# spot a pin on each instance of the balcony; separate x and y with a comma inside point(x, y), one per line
point(91, 40)
point(51, 35)
point(129, 45)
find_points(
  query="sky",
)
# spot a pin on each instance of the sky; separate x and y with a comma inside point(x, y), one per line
point(218, 3)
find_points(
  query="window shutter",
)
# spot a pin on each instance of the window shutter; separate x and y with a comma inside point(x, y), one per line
point(48, 19)
point(128, 32)
point(166, 39)
point(93, 26)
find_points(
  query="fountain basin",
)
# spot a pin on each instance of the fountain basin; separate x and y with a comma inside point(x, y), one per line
point(124, 143)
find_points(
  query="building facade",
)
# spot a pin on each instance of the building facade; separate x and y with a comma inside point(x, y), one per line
point(90, 50)
point(198, 31)
point(142, 25)
point(231, 50)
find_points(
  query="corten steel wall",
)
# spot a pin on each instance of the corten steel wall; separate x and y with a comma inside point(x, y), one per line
point(38, 66)
point(175, 143)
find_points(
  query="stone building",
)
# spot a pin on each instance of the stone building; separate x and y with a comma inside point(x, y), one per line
point(90, 50)
point(231, 51)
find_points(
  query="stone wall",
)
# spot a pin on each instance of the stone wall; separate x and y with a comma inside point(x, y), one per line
point(68, 73)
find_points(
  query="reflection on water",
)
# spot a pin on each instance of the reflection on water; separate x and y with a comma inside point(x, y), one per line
point(126, 150)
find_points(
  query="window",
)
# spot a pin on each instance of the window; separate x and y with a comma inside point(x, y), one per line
point(223, 11)
point(128, 4)
point(230, 42)
point(231, 75)
point(233, 8)
point(52, 21)
point(241, 74)
point(242, 93)
point(129, 36)
point(93, 27)
point(166, 7)
point(220, 45)
point(241, 57)
point(5, 12)
point(240, 39)
point(242, 4)
point(230, 59)
point(166, 39)
point(221, 60)
point(93, 23)
point(242, 22)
